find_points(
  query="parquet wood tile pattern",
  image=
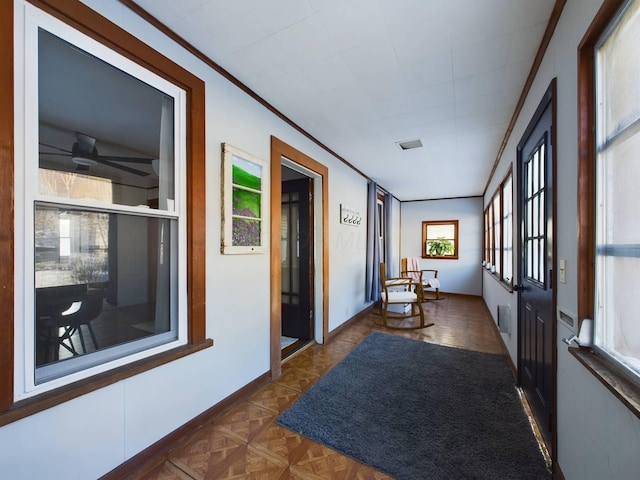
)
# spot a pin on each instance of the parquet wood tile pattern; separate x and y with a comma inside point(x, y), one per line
point(246, 443)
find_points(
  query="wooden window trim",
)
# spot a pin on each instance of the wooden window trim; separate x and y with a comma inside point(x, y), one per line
point(428, 223)
point(623, 389)
point(86, 20)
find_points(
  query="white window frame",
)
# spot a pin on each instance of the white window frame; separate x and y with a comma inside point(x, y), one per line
point(26, 188)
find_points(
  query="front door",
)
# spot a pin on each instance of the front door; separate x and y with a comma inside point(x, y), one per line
point(536, 282)
point(297, 267)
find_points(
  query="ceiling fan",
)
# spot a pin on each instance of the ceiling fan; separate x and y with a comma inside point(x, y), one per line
point(85, 155)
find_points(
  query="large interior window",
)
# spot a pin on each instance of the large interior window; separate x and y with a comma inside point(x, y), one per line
point(617, 175)
point(498, 232)
point(106, 262)
point(507, 229)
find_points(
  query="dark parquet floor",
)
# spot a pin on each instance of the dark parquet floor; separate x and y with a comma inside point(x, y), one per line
point(245, 443)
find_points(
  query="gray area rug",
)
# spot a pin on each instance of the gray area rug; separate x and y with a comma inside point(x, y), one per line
point(421, 411)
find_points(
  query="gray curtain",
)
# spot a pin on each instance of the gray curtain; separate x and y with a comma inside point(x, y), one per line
point(372, 276)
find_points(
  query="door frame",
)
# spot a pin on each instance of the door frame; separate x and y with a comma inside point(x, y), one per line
point(284, 153)
point(549, 99)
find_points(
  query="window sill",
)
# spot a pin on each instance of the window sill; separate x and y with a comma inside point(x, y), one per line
point(440, 257)
point(506, 286)
point(622, 388)
point(42, 402)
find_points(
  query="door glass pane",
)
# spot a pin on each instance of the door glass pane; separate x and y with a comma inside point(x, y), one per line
point(294, 245)
point(535, 220)
point(528, 180)
point(535, 172)
point(284, 242)
point(542, 166)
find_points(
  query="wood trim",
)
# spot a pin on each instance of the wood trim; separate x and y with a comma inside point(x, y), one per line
point(442, 198)
point(6, 205)
point(156, 454)
point(586, 156)
point(81, 17)
point(275, 287)
point(196, 213)
point(280, 149)
point(542, 49)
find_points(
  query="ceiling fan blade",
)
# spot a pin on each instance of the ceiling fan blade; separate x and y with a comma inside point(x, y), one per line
point(55, 154)
point(115, 158)
point(55, 148)
point(124, 168)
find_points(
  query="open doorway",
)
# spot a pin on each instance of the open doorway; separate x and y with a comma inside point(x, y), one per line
point(297, 244)
point(318, 177)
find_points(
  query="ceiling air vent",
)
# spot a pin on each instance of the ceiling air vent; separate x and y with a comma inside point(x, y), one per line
point(409, 144)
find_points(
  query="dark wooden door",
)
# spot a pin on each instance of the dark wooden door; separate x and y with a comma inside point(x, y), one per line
point(535, 286)
point(297, 267)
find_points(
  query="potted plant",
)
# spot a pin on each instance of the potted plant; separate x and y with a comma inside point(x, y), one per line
point(440, 247)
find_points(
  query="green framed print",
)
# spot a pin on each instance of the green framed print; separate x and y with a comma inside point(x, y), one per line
point(244, 196)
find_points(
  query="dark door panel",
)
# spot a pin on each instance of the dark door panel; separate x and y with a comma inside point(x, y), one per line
point(297, 271)
point(536, 299)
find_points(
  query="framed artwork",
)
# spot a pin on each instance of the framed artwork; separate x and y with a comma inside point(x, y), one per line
point(244, 193)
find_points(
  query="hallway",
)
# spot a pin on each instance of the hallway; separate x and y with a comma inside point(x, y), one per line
point(245, 442)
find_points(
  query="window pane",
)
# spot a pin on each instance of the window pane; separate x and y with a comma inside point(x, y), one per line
point(246, 174)
point(497, 234)
point(246, 203)
point(619, 177)
point(245, 232)
point(123, 154)
point(437, 231)
point(619, 73)
point(112, 288)
point(619, 333)
point(507, 231)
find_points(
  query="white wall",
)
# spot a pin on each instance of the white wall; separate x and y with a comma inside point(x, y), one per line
point(100, 430)
point(456, 276)
point(597, 435)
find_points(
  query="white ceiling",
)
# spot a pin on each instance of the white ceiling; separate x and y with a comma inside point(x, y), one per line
point(360, 75)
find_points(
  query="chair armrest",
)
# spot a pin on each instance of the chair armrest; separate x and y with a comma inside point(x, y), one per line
point(435, 272)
